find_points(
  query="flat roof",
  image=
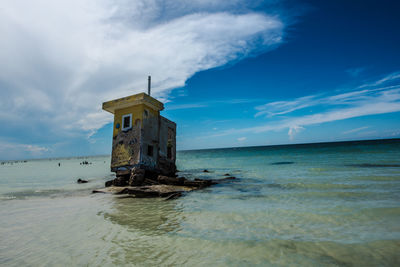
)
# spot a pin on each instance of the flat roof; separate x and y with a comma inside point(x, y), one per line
point(133, 100)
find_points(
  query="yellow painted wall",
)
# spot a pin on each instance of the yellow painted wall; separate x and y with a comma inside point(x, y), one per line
point(136, 111)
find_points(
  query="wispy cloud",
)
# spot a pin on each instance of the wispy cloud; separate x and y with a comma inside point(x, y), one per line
point(206, 104)
point(285, 107)
point(355, 130)
point(241, 139)
point(352, 104)
point(188, 106)
point(350, 98)
point(388, 78)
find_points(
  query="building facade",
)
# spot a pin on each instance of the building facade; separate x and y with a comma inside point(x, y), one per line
point(141, 136)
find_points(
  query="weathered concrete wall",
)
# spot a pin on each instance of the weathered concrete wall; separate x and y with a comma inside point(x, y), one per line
point(150, 137)
point(126, 144)
point(126, 147)
point(166, 159)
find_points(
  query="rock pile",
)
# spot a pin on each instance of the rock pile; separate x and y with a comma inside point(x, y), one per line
point(142, 183)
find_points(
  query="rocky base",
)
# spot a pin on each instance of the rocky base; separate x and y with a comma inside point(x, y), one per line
point(144, 184)
point(149, 191)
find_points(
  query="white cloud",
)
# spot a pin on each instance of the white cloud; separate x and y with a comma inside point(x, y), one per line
point(34, 149)
point(241, 139)
point(187, 106)
point(284, 107)
point(13, 150)
point(211, 103)
point(379, 104)
point(352, 104)
point(387, 78)
point(61, 59)
point(355, 130)
point(293, 130)
point(348, 98)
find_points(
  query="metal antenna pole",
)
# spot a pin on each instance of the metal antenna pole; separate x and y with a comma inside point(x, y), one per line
point(149, 85)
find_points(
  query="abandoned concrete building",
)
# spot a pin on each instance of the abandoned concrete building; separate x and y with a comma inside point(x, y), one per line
point(142, 138)
point(144, 151)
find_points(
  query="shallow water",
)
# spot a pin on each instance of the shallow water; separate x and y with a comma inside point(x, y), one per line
point(311, 205)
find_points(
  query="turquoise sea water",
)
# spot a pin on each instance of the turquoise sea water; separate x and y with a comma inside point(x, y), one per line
point(334, 204)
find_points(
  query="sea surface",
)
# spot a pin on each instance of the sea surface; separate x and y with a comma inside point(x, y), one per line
point(332, 204)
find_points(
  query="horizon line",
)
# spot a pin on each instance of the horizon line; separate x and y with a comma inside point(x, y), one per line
point(217, 148)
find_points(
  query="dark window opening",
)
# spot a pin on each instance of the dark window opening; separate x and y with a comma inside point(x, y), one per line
point(126, 122)
point(169, 152)
point(150, 150)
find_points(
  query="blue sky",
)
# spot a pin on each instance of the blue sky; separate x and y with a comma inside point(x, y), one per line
point(231, 73)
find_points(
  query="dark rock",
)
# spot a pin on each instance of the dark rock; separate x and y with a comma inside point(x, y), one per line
point(140, 192)
point(123, 172)
point(137, 176)
point(169, 191)
point(227, 174)
point(197, 183)
point(121, 181)
point(171, 180)
point(80, 181)
point(282, 163)
point(205, 171)
point(98, 191)
point(136, 179)
point(151, 174)
point(167, 167)
point(137, 170)
point(149, 182)
point(109, 183)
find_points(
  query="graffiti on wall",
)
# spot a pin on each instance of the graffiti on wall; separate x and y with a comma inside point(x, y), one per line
point(126, 147)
